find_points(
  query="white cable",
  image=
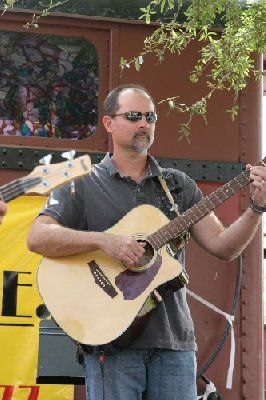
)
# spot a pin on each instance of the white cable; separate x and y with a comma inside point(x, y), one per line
point(230, 319)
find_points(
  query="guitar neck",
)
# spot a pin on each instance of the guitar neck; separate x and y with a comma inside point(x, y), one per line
point(18, 187)
point(183, 222)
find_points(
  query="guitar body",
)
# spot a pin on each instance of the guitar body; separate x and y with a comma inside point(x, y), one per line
point(92, 296)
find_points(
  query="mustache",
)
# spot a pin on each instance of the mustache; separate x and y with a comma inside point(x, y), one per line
point(141, 133)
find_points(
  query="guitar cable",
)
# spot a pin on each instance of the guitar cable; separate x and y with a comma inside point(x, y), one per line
point(228, 325)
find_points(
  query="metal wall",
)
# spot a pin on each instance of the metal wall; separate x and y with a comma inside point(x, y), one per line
point(220, 140)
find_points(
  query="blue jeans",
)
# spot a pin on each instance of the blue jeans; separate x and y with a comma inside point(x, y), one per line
point(159, 373)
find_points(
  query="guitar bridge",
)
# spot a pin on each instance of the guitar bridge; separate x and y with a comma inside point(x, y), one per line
point(101, 280)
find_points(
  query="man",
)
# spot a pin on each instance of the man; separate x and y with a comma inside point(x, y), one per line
point(3, 209)
point(161, 360)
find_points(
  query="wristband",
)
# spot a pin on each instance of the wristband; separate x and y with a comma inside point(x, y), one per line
point(256, 209)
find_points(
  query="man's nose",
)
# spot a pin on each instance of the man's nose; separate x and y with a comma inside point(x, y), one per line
point(143, 122)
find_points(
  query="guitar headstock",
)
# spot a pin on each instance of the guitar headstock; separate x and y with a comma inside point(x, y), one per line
point(50, 176)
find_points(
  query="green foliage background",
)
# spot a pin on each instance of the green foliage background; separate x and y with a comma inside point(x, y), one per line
point(227, 54)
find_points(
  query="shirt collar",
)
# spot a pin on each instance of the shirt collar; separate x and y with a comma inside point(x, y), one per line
point(153, 166)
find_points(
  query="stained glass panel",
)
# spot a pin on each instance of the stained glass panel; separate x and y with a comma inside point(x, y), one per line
point(48, 86)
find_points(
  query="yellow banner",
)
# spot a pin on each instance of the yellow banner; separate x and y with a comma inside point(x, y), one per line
point(19, 299)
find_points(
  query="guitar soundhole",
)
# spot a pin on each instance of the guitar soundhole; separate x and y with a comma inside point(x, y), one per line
point(147, 256)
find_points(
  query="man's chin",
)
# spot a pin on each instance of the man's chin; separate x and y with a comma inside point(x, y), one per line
point(141, 145)
point(141, 148)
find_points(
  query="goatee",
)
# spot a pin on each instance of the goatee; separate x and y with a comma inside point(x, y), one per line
point(141, 145)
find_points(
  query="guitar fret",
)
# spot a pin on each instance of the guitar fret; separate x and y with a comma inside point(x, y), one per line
point(183, 222)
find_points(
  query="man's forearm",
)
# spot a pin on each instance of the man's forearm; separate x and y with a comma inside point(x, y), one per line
point(54, 240)
point(237, 236)
point(226, 243)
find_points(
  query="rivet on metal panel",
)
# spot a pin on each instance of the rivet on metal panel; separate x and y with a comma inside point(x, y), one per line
point(244, 123)
point(245, 380)
point(20, 152)
point(219, 165)
point(244, 365)
point(244, 317)
point(244, 302)
point(203, 165)
point(244, 152)
point(4, 164)
point(36, 153)
point(203, 177)
point(20, 164)
point(189, 164)
point(244, 333)
point(244, 349)
point(244, 397)
point(174, 163)
point(244, 286)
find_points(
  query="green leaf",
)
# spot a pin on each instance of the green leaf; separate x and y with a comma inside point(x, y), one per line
point(171, 4)
point(163, 5)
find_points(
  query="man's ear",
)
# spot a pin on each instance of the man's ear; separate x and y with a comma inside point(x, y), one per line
point(108, 123)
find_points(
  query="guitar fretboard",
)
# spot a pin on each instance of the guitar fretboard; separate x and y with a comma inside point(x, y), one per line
point(16, 188)
point(183, 222)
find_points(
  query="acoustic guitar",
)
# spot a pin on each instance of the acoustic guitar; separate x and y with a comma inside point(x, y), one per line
point(96, 299)
point(44, 178)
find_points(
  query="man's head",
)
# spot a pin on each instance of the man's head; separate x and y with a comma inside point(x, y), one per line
point(111, 103)
point(130, 117)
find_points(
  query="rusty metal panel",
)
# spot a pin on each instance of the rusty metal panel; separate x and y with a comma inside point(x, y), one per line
point(219, 140)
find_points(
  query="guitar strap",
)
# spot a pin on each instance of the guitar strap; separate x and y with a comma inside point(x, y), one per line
point(168, 194)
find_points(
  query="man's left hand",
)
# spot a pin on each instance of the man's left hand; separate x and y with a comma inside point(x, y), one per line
point(258, 185)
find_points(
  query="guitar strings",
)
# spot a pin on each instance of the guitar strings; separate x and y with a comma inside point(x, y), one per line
point(184, 221)
point(17, 187)
point(13, 189)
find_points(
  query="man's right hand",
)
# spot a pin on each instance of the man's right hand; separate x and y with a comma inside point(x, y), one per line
point(124, 248)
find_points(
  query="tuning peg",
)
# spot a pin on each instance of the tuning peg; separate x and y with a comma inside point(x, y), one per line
point(69, 155)
point(45, 161)
point(52, 201)
point(72, 188)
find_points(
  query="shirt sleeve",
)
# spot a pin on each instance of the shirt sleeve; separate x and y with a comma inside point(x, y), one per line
point(184, 190)
point(192, 193)
point(67, 206)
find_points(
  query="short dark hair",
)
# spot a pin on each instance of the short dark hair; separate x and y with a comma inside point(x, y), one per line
point(111, 105)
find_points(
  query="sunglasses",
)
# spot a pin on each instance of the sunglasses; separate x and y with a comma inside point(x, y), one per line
point(134, 116)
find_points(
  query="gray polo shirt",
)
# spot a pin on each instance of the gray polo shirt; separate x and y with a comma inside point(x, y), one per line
point(101, 200)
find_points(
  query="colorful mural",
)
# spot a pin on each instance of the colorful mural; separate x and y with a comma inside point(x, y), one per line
point(48, 86)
